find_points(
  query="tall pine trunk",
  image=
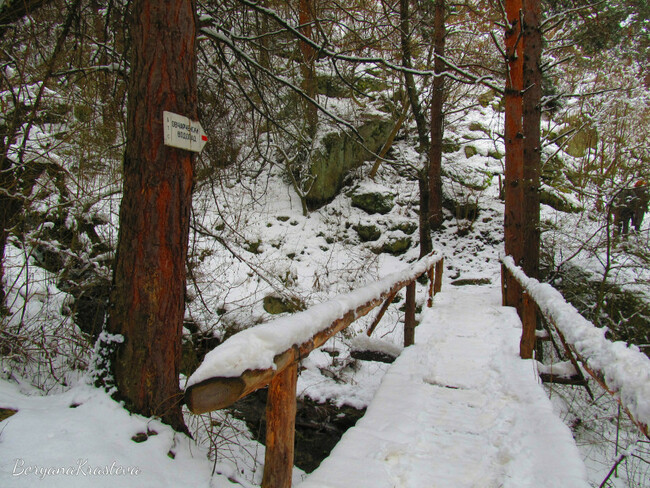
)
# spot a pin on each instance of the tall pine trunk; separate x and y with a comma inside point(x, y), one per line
point(307, 17)
point(532, 38)
point(147, 302)
point(532, 96)
point(514, 143)
point(409, 80)
point(437, 119)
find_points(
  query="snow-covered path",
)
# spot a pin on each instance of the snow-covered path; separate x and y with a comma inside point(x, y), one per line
point(458, 409)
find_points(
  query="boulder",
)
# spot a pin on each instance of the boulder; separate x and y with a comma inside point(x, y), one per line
point(339, 153)
point(372, 199)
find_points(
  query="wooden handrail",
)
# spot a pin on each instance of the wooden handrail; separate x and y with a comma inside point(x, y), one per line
point(532, 294)
point(220, 391)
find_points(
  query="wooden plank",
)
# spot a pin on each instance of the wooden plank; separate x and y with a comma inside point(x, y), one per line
point(280, 429)
point(409, 315)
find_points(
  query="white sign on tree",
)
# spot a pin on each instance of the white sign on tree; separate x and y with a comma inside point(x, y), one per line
point(183, 133)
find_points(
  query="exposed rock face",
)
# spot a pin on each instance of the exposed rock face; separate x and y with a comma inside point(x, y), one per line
point(340, 153)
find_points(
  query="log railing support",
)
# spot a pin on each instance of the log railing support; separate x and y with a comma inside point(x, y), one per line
point(529, 325)
point(579, 362)
point(381, 313)
point(409, 315)
point(280, 429)
point(437, 282)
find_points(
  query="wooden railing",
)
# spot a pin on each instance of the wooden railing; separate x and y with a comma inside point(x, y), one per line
point(622, 371)
point(218, 383)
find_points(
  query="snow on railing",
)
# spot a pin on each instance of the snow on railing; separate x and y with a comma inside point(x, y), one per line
point(256, 347)
point(622, 370)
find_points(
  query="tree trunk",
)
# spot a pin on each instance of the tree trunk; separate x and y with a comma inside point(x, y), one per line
point(532, 38)
point(420, 122)
point(532, 81)
point(309, 83)
point(437, 119)
point(147, 303)
point(514, 136)
point(425, 229)
point(409, 81)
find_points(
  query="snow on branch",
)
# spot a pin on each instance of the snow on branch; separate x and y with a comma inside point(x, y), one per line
point(625, 369)
point(227, 39)
point(453, 72)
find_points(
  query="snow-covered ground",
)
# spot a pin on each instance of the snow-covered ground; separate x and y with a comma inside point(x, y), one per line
point(57, 439)
point(458, 409)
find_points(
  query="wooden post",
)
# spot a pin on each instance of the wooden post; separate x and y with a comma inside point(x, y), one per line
point(529, 324)
point(280, 429)
point(437, 284)
point(409, 316)
point(504, 284)
point(381, 313)
point(431, 288)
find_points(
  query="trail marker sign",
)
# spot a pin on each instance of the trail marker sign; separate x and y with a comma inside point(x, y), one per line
point(183, 133)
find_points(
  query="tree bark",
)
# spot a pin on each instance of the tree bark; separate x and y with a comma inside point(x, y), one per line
point(147, 302)
point(409, 81)
point(409, 315)
point(426, 246)
point(532, 81)
point(280, 429)
point(514, 136)
point(532, 38)
point(309, 82)
point(437, 119)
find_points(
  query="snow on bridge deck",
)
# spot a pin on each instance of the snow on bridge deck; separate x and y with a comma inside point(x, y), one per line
point(458, 409)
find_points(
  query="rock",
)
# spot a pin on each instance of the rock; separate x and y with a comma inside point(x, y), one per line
point(450, 146)
point(484, 99)
point(471, 281)
point(333, 86)
point(339, 153)
point(5, 413)
point(396, 245)
point(557, 201)
point(496, 154)
point(274, 304)
point(368, 233)
point(470, 151)
point(372, 199)
point(582, 139)
point(253, 247)
point(407, 227)
point(478, 127)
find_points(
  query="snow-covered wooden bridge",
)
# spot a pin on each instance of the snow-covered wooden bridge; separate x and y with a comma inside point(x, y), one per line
point(458, 408)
